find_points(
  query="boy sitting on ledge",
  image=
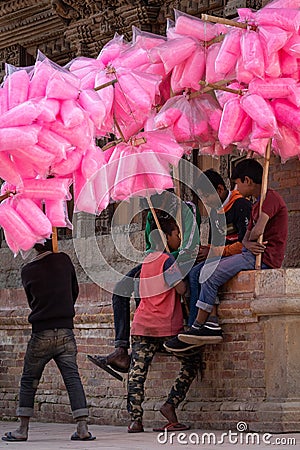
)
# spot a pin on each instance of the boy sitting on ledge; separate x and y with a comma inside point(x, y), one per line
point(272, 223)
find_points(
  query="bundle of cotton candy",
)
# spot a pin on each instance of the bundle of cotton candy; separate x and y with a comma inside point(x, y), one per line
point(287, 113)
point(44, 135)
point(274, 48)
point(91, 193)
point(188, 73)
point(112, 49)
point(227, 55)
point(211, 75)
point(146, 41)
point(9, 170)
point(18, 234)
point(190, 120)
point(287, 144)
point(86, 70)
point(235, 123)
point(176, 116)
point(138, 171)
point(192, 26)
point(15, 142)
point(134, 96)
point(212, 109)
point(173, 52)
point(54, 192)
point(16, 85)
point(24, 223)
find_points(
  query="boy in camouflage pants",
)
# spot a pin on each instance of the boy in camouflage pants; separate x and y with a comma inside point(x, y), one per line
point(157, 318)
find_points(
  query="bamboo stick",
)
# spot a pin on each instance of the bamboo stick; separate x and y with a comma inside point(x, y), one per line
point(178, 193)
point(232, 23)
point(157, 222)
point(215, 40)
point(111, 144)
point(264, 187)
point(54, 240)
point(102, 86)
point(119, 129)
point(221, 88)
point(138, 141)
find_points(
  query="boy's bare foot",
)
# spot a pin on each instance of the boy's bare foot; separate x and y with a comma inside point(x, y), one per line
point(82, 429)
point(168, 411)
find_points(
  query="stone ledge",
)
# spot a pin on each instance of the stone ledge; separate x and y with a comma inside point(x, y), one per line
point(275, 306)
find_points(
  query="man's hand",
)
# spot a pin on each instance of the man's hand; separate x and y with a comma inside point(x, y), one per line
point(202, 253)
point(255, 247)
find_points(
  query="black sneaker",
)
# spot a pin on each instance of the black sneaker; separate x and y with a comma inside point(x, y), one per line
point(208, 333)
point(174, 345)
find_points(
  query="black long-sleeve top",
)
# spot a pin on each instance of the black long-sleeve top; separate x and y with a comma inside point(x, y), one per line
point(51, 287)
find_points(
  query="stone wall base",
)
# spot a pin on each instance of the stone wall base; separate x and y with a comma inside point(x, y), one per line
point(252, 377)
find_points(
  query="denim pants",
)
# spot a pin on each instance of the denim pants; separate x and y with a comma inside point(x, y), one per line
point(121, 306)
point(194, 284)
point(215, 274)
point(59, 345)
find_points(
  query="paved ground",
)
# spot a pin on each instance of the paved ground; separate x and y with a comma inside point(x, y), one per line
point(51, 436)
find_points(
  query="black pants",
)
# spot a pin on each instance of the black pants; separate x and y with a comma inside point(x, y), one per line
point(121, 306)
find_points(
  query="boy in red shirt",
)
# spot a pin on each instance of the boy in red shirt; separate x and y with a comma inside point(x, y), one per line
point(158, 317)
point(272, 224)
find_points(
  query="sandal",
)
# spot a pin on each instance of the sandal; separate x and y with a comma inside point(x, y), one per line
point(175, 426)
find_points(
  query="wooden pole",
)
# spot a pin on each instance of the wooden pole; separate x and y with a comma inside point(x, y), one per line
point(111, 144)
point(54, 240)
point(157, 222)
point(178, 193)
point(102, 86)
point(232, 23)
point(264, 187)
point(119, 129)
point(221, 88)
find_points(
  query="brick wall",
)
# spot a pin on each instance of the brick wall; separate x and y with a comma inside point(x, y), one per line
point(233, 387)
point(285, 179)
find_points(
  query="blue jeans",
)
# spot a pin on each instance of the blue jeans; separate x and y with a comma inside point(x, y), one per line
point(193, 277)
point(121, 306)
point(58, 344)
point(215, 274)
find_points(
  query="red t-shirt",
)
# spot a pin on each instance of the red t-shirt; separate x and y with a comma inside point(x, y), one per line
point(276, 229)
point(159, 312)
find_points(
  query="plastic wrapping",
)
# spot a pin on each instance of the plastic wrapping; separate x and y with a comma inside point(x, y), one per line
point(8, 170)
point(260, 111)
point(287, 113)
point(33, 216)
point(15, 137)
point(192, 26)
point(229, 52)
point(231, 121)
point(18, 231)
point(252, 53)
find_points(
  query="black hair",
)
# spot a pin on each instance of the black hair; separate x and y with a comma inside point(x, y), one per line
point(248, 168)
point(167, 226)
point(207, 179)
point(46, 247)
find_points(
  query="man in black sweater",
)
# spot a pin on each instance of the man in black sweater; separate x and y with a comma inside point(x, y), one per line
point(51, 288)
